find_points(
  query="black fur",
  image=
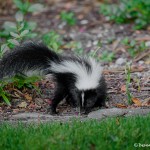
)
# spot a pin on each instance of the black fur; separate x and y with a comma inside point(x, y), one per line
point(31, 56)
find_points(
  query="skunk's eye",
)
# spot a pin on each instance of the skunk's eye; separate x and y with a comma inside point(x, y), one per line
point(78, 91)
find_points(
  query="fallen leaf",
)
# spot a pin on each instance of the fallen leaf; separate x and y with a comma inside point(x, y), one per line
point(32, 106)
point(115, 44)
point(120, 105)
point(49, 101)
point(136, 101)
point(147, 62)
point(22, 105)
point(123, 88)
point(28, 97)
point(36, 84)
point(146, 102)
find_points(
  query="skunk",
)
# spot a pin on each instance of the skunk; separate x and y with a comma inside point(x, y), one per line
point(79, 80)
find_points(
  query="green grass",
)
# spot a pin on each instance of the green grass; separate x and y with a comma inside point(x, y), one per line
point(110, 134)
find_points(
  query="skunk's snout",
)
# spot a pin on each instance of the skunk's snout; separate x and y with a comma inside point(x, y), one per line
point(87, 100)
point(87, 105)
point(85, 110)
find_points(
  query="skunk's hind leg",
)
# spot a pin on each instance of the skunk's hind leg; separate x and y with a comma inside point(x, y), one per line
point(60, 94)
point(101, 93)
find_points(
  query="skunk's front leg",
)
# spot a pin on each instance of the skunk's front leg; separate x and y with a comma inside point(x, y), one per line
point(74, 97)
point(59, 95)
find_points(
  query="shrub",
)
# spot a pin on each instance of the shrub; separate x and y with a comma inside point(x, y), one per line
point(125, 11)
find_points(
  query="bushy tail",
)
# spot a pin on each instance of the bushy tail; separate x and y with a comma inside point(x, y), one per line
point(27, 58)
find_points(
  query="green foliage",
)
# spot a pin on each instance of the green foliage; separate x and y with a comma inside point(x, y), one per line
point(77, 47)
point(53, 41)
point(3, 93)
point(19, 82)
point(79, 50)
point(137, 11)
point(15, 32)
point(109, 134)
point(12, 34)
point(26, 6)
point(94, 54)
point(133, 47)
point(128, 81)
point(68, 17)
point(107, 56)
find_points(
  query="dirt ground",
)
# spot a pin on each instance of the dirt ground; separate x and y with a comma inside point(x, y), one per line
point(90, 29)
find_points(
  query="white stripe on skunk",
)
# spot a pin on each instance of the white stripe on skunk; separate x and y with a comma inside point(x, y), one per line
point(85, 79)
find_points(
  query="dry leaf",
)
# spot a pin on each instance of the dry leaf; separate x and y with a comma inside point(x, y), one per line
point(28, 97)
point(36, 84)
point(146, 102)
point(32, 106)
point(136, 101)
point(121, 106)
point(147, 62)
point(22, 105)
point(115, 44)
point(123, 88)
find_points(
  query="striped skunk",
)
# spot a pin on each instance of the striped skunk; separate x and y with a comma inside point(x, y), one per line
point(79, 80)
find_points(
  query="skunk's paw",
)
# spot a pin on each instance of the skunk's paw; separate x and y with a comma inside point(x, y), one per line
point(87, 111)
point(52, 111)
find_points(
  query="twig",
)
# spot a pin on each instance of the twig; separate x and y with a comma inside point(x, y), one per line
point(122, 70)
point(146, 38)
point(145, 89)
point(142, 56)
point(142, 95)
point(18, 92)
